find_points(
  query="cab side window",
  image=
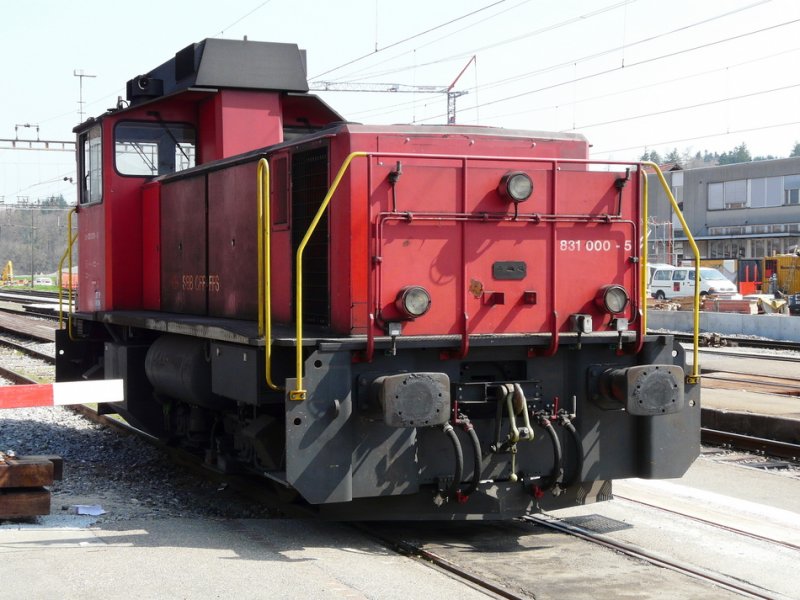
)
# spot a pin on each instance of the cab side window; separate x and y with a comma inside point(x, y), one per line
point(91, 166)
point(679, 275)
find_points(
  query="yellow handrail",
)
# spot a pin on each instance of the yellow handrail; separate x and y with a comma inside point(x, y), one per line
point(71, 237)
point(644, 276)
point(695, 376)
point(299, 393)
point(265, 269)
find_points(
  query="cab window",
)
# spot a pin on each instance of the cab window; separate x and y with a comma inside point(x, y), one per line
point(153, 148)
point(91, 166)
point(679, 275)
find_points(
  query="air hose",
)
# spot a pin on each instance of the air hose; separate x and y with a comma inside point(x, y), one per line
point(477, 455)
point(459, 467)
point(567, 424)
point(557, 477)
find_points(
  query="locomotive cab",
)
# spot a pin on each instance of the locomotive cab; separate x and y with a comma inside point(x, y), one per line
point(215, 99)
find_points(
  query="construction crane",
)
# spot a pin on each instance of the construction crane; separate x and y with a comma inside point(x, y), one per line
point(399, 88)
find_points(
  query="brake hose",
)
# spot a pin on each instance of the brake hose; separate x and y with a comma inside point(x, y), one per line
point(566, 423)
point(477, 455)
point(557, 476)
point(459, 469)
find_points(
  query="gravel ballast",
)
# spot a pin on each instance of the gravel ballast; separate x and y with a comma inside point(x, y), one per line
point(126, 476)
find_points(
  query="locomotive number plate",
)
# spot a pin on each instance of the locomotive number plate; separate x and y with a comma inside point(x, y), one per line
point(509, 269)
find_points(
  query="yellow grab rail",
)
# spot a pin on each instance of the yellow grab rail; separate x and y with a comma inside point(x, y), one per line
point(298, 393)
point(695, 375)
point(644, 276)
point(265, 269)
point(71, 238)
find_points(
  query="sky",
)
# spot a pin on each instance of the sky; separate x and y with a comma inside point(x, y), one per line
point(631, 75)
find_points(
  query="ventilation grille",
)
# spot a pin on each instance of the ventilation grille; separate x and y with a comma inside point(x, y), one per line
point(309, 186)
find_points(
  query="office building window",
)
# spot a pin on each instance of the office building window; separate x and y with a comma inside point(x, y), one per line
point(715, 196)
point(791, 186)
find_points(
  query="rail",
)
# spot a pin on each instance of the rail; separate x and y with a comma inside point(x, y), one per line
point(694, 377)
point(298, 393)
point(71, 238)
point(265, 269)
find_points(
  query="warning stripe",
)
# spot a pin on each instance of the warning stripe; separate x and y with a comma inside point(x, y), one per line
point(59, 394)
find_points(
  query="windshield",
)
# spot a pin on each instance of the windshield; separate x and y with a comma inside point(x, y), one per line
point(711, 274)
point(153, 148)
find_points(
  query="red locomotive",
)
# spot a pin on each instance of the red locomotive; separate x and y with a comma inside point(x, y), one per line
point(393, 322)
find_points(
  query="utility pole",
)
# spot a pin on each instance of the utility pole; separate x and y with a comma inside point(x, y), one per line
point(451, 95)
point(80, 75)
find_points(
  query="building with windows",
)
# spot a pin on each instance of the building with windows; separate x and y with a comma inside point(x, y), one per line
point(744, 210)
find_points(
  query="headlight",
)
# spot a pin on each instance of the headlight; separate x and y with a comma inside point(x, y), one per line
point(413, 301)
point(515, 186)
point(612, 298)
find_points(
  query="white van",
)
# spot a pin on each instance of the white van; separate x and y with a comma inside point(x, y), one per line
point(651, 270)
point(673, 282)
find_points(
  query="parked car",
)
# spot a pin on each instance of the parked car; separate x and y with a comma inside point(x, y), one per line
point(43, 281)
point(673, 282)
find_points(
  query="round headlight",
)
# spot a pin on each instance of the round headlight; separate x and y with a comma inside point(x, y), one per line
point(413, 301)
point(515, 186)
point(612, 298)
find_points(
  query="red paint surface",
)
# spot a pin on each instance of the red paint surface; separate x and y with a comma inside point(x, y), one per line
point(25, 396)
point(440, 249)
point(232, 243)
point(151, 246)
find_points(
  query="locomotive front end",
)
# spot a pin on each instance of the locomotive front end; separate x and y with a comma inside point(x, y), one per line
point(495, 361)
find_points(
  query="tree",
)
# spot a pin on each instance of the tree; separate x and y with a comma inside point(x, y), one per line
point(795, 150)
point(651, 156)
point(673, 157)
point(739, 154)
point(33, 237)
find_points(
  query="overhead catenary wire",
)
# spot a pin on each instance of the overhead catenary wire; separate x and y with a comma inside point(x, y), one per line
point(243, 17)
point(403, 41)
point(628, 66)
point(686, 107)
point(571, 62)
point(462, 55)
point(649, 85)
point(601, 151)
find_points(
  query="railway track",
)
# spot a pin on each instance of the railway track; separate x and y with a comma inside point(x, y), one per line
point(729, 583)
point(736, 530)
point(27, 350)
point(753, 383)
point(736, 342)
point(736, 441)
point(433, 559)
